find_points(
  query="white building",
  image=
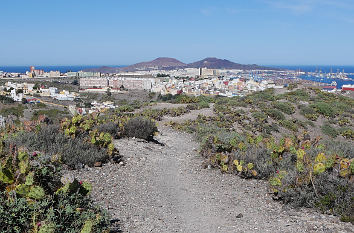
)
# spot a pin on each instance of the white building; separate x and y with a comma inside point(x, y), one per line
point(53, 91)
point(16, 97)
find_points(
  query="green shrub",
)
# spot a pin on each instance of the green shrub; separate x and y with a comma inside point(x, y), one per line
point(39, 105)
point(289, 124)
point(50, 113)
point(275, 114)
point(341, 106)
point(324, 109)
point(332, 194)
point(269, 128)
point(346, 132)
point(16, 111)
point(259, 157)
point(259, 116)
point(6, 100)
point(329, 130)
point(136, 104)
point(140, 127)
point(109, 127)
point(309, 113)
point(184, 99)
point(167, 97)
point(343, 149)
point(125, 108)
point(174, 112)
point(74, 152)
point(261, 96)
point(310, 123)
point(203, 104)
point(342, 121)
point(192, 107)
point(37, 201)
point(300, 94)
point(285, 107)
point(292, 86)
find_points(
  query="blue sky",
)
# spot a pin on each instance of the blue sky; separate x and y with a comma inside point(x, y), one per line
point(117, 32)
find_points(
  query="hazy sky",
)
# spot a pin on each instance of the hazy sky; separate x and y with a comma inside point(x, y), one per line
point(117, 32)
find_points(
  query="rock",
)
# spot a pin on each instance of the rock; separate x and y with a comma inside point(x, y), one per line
point(67, 178)
point(117, 158)
point(98, 164)
point(307, 137)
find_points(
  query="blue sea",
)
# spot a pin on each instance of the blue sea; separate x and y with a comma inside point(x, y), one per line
point(324, 69)
point(62, 69)
point(313, 68)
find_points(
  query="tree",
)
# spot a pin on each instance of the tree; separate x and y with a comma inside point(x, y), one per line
point(75, 82)
point(109, 92)
point(87, 105)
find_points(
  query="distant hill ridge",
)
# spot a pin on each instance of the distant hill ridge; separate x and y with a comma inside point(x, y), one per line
point(166, 63)
point(158, 63)
point(215, 63)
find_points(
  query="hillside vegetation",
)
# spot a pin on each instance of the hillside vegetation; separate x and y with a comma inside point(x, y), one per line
point(300, 141)
point(35, 196)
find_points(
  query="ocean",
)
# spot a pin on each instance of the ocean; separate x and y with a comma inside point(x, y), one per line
point(324, 69)
point(62, 69)
point(313, 68)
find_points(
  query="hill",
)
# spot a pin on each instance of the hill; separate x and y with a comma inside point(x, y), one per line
point(158, 63)
point(215, 63)
point(166, 63)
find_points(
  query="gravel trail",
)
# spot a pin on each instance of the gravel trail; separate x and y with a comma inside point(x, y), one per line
point(166, 189)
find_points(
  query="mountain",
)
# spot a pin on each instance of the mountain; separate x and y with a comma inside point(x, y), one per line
point(215, 63)
point(158, 63)
point(166, 63)
point(161, 63)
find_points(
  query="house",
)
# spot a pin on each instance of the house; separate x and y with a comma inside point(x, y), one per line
point(16, 96)
point(53, 91)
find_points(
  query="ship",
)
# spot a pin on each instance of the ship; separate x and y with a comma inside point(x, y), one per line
point(334, 83)
point(330, 88)
point(349, 87)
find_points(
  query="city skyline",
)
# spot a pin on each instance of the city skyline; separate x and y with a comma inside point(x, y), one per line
point(265, 32)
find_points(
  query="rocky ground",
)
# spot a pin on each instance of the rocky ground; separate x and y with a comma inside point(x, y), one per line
point(166, 189)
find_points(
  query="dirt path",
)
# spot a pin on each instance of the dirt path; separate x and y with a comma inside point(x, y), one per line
point(165, 189)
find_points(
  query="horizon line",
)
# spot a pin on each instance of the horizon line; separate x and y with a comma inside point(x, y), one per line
point(101, 65)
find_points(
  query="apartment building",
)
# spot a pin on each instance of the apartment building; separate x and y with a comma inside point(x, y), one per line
point(93, 82)
point(130, 83)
